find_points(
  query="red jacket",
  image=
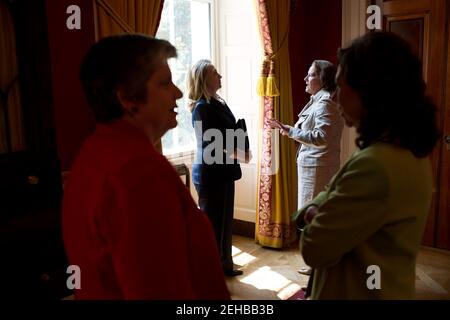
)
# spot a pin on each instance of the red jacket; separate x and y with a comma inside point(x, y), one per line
point(131, 225)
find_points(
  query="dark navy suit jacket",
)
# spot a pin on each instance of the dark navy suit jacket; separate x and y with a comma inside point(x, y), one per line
point(214, 115)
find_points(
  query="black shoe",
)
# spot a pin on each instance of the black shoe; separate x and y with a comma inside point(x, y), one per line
point(305, 271)
point(233, 273)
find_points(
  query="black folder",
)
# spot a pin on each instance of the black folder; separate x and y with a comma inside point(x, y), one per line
point(240, 124)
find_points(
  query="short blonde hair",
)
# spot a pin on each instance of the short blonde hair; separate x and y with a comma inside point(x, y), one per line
point(196, 82)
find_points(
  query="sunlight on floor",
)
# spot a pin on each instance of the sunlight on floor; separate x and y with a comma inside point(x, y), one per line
point(268, 274)
point(240, 257)
point(288, 291)
point(265, 278)
point(272, 274)
point(243, 259)
point(235, 251)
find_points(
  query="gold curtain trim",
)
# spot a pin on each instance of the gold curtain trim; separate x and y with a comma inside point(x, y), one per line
point(267, 82)
point(115, 16)
point(276, 190)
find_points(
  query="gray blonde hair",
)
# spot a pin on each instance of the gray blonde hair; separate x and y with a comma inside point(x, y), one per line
point(196, 83)
point(124, 62)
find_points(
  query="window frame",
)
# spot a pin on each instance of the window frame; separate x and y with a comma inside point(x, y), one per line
point(214, 47)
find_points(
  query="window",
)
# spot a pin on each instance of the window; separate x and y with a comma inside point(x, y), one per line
point(187, 25)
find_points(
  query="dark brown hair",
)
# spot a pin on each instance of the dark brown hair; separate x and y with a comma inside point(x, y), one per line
point(382, 69)
point(326, 72)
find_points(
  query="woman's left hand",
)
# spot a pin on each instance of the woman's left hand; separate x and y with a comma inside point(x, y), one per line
point(244, 157)
point(311, 211)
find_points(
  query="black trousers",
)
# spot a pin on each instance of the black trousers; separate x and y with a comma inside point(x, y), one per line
point(217, 201)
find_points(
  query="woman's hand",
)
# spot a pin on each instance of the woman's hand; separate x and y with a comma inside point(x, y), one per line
point(305, 216)
point(244, 157)
point(311, 211)
point(274, 123)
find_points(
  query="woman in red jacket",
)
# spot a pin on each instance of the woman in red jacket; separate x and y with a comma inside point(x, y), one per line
point(129, 223)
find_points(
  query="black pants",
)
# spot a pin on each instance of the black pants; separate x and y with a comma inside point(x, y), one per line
point(310, 284)
point(217, 201)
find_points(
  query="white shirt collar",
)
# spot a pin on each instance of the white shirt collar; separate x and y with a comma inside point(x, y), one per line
point(318, 95)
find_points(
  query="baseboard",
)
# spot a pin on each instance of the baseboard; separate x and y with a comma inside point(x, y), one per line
point(244, 228)
point(438, 250)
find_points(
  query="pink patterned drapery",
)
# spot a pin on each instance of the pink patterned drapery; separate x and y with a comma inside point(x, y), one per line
point(276, 181)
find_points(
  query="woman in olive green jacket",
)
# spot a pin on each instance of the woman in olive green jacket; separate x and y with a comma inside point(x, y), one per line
point(363, 233)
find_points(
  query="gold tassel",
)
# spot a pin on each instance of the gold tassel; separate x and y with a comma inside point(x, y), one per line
point(261, 85)
point(271, 85)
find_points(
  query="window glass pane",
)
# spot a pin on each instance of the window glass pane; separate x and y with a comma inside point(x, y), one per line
point(187, 25)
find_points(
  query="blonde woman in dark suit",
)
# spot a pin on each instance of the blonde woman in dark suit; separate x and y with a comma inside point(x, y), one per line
point(214, 178)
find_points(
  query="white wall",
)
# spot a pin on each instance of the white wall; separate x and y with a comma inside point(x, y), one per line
point(239, 59)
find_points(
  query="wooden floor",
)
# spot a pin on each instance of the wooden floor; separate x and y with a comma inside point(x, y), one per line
point(271, 274)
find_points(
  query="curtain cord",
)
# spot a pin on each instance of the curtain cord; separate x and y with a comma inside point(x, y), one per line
point(113, 14)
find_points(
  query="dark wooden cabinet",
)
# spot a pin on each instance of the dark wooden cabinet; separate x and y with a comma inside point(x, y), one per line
point(33, 262)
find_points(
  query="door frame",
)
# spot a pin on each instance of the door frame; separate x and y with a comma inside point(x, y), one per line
point(443, 207)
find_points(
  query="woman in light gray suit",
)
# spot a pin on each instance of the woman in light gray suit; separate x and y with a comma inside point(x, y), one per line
point(318, 130)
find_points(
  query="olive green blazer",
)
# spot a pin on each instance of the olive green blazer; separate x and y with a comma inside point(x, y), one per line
point(373, 213)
